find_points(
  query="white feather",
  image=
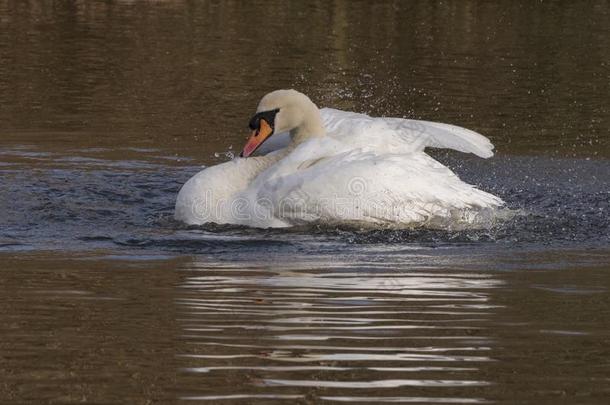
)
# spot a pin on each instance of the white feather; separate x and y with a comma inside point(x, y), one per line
point(364, 169)
point(405, 134)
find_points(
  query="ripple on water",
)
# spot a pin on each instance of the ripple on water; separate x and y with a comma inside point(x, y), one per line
point(87, 202)
point(277, 331)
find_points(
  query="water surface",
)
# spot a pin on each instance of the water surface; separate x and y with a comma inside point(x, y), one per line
point(107, 108)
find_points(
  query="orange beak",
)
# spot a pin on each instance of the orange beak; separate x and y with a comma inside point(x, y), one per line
point(257, 138)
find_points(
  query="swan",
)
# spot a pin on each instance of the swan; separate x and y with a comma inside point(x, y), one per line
point(329, 166)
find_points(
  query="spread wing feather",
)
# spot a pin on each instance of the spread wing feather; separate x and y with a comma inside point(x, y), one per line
point(403, 135)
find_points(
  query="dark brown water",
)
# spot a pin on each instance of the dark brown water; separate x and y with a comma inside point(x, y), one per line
point(106, 108)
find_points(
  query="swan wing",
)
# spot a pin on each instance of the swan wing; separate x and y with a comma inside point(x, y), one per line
point(323, 180)
point(400, 135)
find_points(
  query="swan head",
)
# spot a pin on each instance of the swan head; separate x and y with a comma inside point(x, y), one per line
point(283, 111)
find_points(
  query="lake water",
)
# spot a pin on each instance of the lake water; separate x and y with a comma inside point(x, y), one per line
point(107, 108)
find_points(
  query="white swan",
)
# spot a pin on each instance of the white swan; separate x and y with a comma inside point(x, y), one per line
point(333, 166)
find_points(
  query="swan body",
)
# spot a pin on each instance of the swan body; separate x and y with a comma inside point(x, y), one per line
point(334, 166)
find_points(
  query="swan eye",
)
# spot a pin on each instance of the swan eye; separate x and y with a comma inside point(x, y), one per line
point(268, 116)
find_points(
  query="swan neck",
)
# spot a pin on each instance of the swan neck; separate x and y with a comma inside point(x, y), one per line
point(311, 126)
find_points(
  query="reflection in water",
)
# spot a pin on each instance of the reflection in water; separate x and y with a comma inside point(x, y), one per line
point(129, 329)
point(283, 328)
